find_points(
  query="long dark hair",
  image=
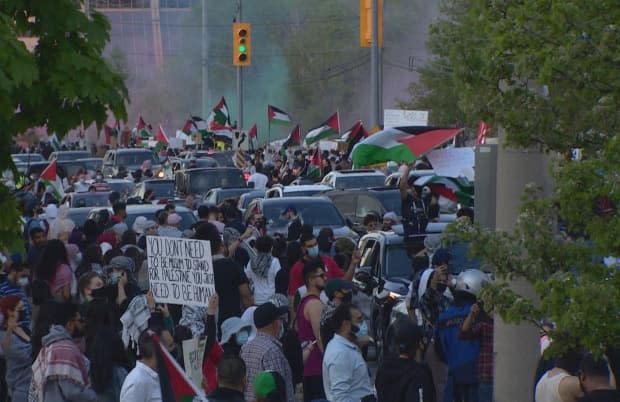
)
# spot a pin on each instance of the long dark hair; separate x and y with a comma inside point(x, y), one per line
point(47, 315)
point(107, 351)
point(92, 255)
point(53, 255)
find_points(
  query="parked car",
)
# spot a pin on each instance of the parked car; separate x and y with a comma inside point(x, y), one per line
point(302, 190)
point(224, 158)
point(131, 158)
point(92, 164)
point(79, 215)
point(123, 186)
point(163, 188)
point(148, 211)
point(316, 211)
point(25, 158)
point(217, 195)
point(66, 169)
point(87, 199)
point(68, 155)
point(31, 170)
point(358, 178)
point(385, 273)
point(200, 181)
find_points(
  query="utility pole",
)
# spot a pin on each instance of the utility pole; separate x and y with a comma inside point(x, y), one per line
point(374, 67)
point(239, 81)
point(203, 61)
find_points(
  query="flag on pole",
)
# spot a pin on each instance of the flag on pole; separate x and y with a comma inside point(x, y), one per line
point(177, 387)
point(278, 116)
point(483, 128)
point(189, 128)
point(219, 119)
point(200, 125)
point(316, 166)
point(253, 133)
point(354, 135)
point(50, 178)
point(161, 138)
point(293, 139)
point(328, 129)
point(400, 144)
point(142, 131)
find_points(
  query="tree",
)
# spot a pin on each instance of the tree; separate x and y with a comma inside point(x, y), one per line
point(547, 73)
point(63, 83)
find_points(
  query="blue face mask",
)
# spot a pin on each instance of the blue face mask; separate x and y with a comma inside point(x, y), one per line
point(242, 338)
point(362, 330)
point(313, 251)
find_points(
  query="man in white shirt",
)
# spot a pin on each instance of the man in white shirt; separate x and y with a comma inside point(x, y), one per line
point(260, 180)
point(142, 383)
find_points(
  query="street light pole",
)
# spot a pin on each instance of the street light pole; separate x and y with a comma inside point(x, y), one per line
point(204, 63)
point(239, 81)
point(374, 67)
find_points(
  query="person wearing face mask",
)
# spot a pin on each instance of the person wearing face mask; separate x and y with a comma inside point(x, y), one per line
point(262, 270)
point(406, 377)
point(60, 371)
point(338, 291)
point(235, 334)
point(87, 283)
point(264, 352)
point(345, 373)
point(121, 287)
point(16, 347)
point(309, 325)
point(310, 249)
point(15, 283)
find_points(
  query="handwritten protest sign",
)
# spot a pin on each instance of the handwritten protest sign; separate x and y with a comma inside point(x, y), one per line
point(180, 270)
point(193, 354)
point(453, 162)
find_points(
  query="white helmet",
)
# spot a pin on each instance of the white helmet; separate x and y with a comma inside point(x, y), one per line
point(471, 281)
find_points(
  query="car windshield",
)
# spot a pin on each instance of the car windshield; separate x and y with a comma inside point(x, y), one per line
point(390, 200)
point(162, 189)
point(187, 218)
point(93, 164)
point(305, 193)
point(359, 181)
point(123, 187)
point(90, 200)
point(135, 158)
point(313, 213)
point(71, 156)
point(233, 193)
point(223, 159)
point(28, 157)
point(70, 169)
point(204, 180)
point(397, 262)
point(245, 201)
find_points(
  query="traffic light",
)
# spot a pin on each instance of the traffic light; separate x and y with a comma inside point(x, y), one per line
point(242, 44)
point(366, 22)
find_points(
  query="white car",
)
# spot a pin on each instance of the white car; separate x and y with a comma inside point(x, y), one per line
point(302, 190)
point(358, 178)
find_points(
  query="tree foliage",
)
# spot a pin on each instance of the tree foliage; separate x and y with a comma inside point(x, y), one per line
point(547, 73)
point(63, 83)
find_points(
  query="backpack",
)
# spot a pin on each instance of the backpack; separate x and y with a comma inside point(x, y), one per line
point(415, 219)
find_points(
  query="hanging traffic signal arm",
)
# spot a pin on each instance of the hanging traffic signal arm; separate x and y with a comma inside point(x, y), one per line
point(242, 44)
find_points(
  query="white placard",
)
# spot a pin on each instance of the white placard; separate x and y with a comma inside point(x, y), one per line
point(193, 355)
point(453, 162)
point(180, 270)
point(403, 118)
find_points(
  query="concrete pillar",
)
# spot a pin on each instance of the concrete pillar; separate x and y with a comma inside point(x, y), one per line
point(516, 347)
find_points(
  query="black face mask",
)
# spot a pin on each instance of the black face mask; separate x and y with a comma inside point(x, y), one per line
point(22, 316)
point(347, 297)
point(77, 334)
point(441, 287)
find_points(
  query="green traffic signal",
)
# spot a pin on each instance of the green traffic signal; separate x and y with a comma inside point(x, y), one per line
point(242, 48)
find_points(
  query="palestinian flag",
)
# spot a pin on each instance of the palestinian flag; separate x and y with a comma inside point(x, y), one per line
point(253, 133)
point(162, 139)
point(189, 128)
point(142, 132)
point(353, 136)
point(315, 168)
point(219, 119)
point(54, 142)
point(176, 387)
point(293, 139)
point(49, 177)
point(400, 144)
point(483, 129)
point(450, 190)
point(200, 125)
point(278, 116)
point(328, 129)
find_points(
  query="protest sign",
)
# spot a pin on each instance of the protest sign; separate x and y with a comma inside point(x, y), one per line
point(193, 354)
point(453, 162)
point(180, 270)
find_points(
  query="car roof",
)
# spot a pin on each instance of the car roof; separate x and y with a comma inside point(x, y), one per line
point(157, 181)
point(306, 187)
point(396, 237)
point(357, 172)
point(145, 208)
point(129, 150)
point(293, 200)
point(88, 159)
point(211, 169)
point(385, 189)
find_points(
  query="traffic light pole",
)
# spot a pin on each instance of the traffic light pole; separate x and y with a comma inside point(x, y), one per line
point(239, 81)
point(374, 68)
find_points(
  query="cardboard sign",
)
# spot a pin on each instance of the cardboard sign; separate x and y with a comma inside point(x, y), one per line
point(403, 118)
point(453, 162)
point(193, 354)
point(180, 270)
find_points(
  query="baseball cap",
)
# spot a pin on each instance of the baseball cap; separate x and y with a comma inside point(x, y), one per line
point(266, 383)
point(174, 219)
point(267, 313)
point(335, 285)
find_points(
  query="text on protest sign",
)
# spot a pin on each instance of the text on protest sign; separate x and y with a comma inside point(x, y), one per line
point(180, 270)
